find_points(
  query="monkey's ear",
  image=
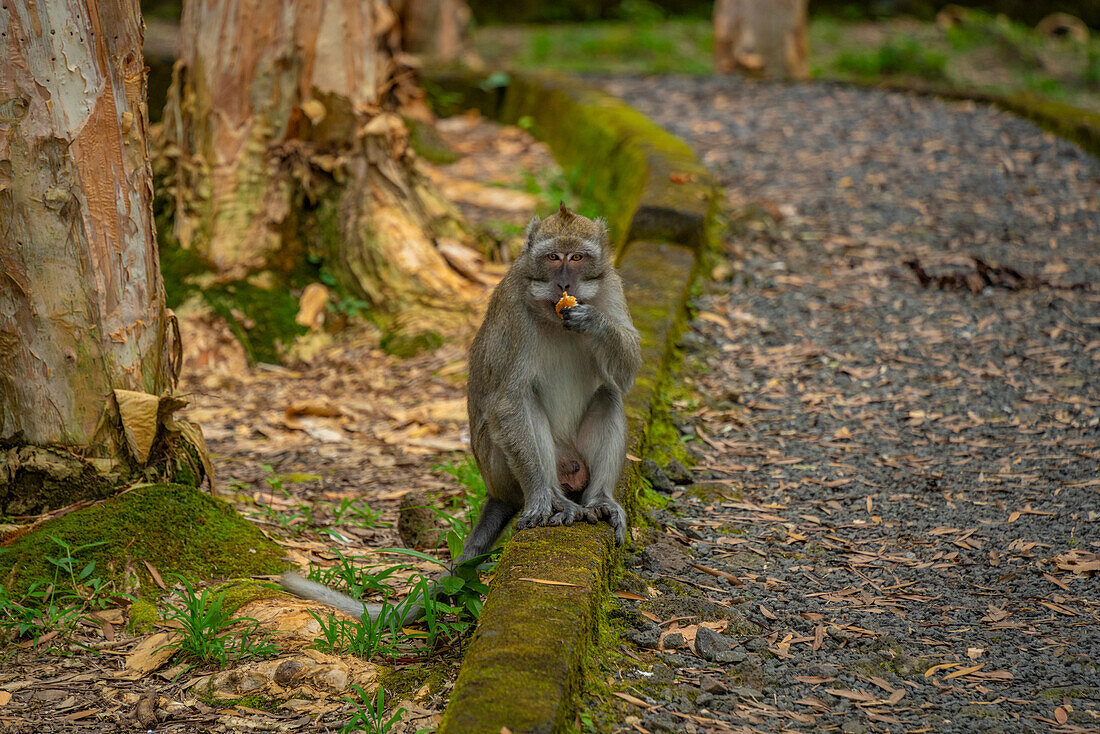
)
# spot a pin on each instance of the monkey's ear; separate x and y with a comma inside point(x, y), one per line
point(530, 233)
point(601, 232)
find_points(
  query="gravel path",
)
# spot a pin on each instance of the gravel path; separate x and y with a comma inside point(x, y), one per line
point(892, 524)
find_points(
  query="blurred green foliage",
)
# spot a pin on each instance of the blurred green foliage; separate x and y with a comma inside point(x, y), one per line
point(897, 57)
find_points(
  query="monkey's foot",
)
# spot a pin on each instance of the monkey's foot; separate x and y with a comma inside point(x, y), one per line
point(568, 512)
point(610, 510)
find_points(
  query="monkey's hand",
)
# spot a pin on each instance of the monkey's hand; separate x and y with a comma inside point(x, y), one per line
point(583, 318)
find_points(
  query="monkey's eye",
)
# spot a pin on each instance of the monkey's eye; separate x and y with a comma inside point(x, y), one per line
point(553, 257)
point(576, 257)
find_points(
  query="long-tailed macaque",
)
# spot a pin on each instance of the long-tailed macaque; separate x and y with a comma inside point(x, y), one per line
point(545, 396)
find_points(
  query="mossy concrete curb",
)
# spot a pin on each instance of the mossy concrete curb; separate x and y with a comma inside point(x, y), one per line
point(645, 181)
point(524, 667)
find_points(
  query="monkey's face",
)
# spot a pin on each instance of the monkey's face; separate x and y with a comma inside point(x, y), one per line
point(565, 264)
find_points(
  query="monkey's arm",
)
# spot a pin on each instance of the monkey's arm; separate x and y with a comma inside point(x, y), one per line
point(615, 341)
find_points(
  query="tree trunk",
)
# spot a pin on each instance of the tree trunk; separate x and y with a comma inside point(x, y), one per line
point(435, 30)
point(82, 310)
point(763, 37)
point(286, 141)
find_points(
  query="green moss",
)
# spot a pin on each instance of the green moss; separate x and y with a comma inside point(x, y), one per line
point(405, 345)
point(708, 492)
point(898, 56)
point(177, 529)
point(650, 500)
point(403, 683)
point(178, 267)
point(240, 592)
point(509, 677)
point(426, 141)
point(262, 319)
point(143, 617)
point(1072, 123)
point(1057, 693)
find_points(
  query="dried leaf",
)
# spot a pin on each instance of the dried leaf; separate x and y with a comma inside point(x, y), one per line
point(631, 699)
point(936, 668)
point(548, 583)
point(311, 306)
point(152, 653)
point(851, 695)
point(138, 412)
point(155, 574)
point(1078, 562)
point(964, 671)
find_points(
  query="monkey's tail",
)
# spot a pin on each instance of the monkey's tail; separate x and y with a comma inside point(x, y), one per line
point(314, 591)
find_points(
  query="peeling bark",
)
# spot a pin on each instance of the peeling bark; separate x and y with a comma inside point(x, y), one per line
point(282, 128)
point(81, 299)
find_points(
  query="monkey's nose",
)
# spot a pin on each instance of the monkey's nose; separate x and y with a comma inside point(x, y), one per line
point(563, 286)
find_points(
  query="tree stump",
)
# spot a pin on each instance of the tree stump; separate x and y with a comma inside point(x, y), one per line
point(762, 37)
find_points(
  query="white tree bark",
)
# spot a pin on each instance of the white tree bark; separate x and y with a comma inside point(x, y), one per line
point(81, 299)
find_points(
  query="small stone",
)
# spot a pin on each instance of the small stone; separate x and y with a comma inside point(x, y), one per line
point(665, 557)
point(417, 523)
point(756, 644)
point(678, 473)
point(840, 635)
point(287, 671)
point(731, 656)
point(709, 643)
point(852, 726)
point(146, 711)
point(657, 477)
point(712, 685)
point(674, 641)
point(646, 639)
point(745, 693)
point(662, 673)
point(692, 533)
